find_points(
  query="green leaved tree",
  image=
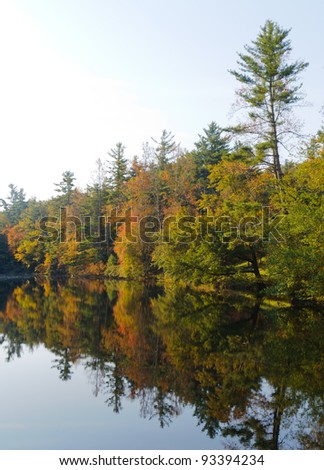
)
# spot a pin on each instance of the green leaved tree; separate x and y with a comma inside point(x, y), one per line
point(166, 149)
point(117, 168)
point(66, 186)
point(296, 264)
point(209, 149)
point(270, 87)
point(15, 204)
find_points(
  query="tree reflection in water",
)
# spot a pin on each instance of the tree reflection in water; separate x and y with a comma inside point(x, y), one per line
point(252, 371)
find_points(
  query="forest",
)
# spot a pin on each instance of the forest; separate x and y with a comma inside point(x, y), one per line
point(242, 209)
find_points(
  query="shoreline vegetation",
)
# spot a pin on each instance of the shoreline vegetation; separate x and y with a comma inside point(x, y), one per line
point(237, 211)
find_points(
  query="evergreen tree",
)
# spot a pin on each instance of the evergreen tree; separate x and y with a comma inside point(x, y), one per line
point(270, 88)
point(210, 148)
point(97, 190)
point(166, 147)
point(15, 205)
point(66, 186)
point(118, 172)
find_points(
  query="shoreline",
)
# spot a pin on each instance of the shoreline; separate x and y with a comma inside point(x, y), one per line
point(243, 288)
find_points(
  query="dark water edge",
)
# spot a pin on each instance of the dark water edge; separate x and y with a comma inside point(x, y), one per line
point(172, 365)
point(232, 286)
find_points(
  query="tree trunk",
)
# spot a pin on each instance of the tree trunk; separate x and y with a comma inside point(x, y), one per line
point(275, 149)
point(276, 158)
point(255, 264)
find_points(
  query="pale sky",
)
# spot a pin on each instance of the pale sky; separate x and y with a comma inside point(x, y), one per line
point(78, 76)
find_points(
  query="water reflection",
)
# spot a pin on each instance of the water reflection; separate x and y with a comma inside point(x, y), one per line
point(251, 371)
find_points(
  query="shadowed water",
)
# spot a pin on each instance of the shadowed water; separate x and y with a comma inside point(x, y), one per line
point(104, 365)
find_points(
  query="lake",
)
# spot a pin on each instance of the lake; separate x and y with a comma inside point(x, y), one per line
point(124, 365)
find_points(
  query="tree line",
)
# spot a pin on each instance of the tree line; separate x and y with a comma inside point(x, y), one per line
point(239, 208)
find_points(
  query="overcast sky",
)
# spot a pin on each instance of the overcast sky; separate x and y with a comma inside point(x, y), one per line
point(78, 76)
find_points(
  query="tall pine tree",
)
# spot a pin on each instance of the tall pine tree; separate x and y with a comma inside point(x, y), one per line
point(270, 87)
point(117, 168)
point(165, 149)
point(66, 186)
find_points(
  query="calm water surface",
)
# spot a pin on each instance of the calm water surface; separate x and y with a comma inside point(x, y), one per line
point(101, 365)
